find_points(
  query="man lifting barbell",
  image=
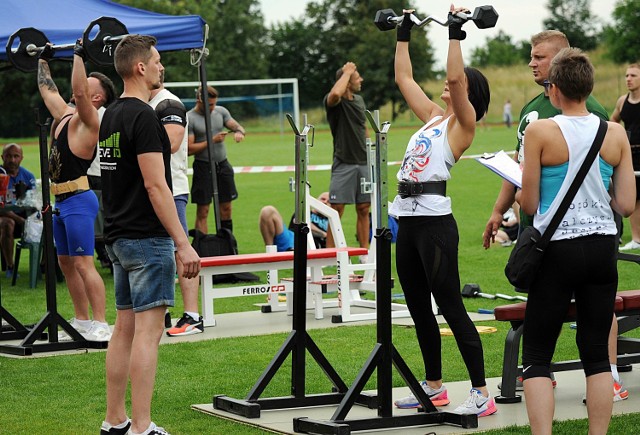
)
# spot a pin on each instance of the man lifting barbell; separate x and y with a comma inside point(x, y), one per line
point(75, 136)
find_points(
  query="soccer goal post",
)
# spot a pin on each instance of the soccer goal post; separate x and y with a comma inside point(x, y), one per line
point(266, 101)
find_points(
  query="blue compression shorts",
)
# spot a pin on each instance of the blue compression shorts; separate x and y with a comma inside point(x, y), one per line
point(73, 229)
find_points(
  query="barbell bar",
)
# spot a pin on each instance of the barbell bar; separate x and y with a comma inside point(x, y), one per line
point(99, 40)
point(484, 17)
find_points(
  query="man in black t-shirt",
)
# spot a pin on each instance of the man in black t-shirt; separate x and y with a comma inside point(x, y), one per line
point(141, 227)
point(347, 119)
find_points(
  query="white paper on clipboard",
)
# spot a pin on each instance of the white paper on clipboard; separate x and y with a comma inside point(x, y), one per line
point(504, 165)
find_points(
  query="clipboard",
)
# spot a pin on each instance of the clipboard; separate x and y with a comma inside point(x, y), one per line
point(503, 165)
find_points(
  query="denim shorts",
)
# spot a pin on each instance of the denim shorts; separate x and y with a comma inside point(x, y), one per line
point(144, 272)
point(181, 207)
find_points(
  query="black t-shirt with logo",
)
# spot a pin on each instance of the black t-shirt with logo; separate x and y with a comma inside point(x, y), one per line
point(130, 127)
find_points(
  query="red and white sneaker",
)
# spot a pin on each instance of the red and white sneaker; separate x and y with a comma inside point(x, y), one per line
point(186, 326)
point(619, 392)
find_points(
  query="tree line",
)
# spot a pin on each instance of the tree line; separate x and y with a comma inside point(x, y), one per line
point(312, 47)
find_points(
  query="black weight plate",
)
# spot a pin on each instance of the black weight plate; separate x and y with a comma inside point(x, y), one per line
point(18, 51)
point(96, 39)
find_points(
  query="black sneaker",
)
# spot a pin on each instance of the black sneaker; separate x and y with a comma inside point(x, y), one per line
point(167, 319)
point(186, 326)
point(107, 429)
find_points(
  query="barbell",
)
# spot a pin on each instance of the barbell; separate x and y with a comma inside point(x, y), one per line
point(99, 44)
point(484, 17)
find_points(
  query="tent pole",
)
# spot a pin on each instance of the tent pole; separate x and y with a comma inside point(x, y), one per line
point(202, 70)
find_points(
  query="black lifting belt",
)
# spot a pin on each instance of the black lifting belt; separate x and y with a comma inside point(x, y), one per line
point(410, 188)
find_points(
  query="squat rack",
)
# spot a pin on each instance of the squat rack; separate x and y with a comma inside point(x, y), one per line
point(298, 341)
point(384, 353)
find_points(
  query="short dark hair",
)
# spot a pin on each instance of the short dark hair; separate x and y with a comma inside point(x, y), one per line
point(132, 49)
point(479, 93)
point(107, 86)
point(211, 92)
point(573, 73)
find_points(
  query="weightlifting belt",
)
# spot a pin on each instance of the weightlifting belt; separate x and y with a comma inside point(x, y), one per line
point(410, 188)
point(69, 188)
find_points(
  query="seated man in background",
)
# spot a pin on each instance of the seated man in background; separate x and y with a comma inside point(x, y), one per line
point(12, 223)
point(274, 233)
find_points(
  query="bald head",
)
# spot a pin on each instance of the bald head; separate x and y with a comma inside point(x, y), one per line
point(12, 158)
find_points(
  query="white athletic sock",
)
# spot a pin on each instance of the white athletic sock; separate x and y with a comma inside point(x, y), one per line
point(107, 426)
point(151, 427)
point(86, 324)
point(614, 372)
point(194, 316)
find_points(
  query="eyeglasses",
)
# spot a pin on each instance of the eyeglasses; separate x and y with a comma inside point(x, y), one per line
point(546, 84)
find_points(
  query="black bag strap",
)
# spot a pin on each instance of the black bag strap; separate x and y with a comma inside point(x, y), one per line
point(575, 185)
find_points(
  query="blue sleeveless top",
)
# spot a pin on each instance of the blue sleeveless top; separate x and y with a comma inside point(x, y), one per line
point(552, 177)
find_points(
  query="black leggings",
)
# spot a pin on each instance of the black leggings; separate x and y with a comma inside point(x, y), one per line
point(427, 263)
point(584, 268)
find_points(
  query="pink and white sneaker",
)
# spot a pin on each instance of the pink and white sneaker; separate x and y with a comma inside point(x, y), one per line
point(477, 404)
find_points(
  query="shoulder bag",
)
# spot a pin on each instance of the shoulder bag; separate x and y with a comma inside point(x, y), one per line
point(526, 257)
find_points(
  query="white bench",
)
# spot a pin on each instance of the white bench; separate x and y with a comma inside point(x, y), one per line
point(270, 262)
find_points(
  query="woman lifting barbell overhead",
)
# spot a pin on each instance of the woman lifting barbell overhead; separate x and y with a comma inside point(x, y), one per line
point(427, 244)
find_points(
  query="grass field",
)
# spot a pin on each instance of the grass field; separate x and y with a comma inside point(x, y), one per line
point(66, 394)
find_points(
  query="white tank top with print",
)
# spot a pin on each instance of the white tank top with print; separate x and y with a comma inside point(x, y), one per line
point(428, 158)
point(589, 212)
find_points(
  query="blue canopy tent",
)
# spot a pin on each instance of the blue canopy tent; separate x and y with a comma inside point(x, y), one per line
point(64, 21)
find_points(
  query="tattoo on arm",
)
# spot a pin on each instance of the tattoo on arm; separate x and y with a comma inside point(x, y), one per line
point(44, 77)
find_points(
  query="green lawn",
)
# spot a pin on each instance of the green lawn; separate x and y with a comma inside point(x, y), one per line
point(65, 394)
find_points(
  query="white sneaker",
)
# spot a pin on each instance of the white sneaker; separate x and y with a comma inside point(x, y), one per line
point(98, 332)
point(63, 336)
point(477, 404)
point(364, 259)
point(439, 397)
point(631, 245)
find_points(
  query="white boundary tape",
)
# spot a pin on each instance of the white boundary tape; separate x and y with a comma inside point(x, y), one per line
point(264, 169)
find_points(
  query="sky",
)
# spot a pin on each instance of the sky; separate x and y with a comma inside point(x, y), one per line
point(518, 18)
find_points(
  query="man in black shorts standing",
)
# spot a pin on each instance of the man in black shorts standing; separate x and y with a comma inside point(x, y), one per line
point(142, 232)
point(347, 119)
point(627, 111)
point(216, 157)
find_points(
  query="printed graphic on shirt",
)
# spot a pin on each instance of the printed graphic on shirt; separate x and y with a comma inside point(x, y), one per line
point(524, 123)
point(417, 158)
point(172, 119)
point(586, 216)
point(110, 149)
point(55, 167)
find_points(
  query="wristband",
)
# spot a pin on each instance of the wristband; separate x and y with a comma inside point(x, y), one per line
point(455, 28)
point(403, 32)
point(47, 53)
point(78, 50)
